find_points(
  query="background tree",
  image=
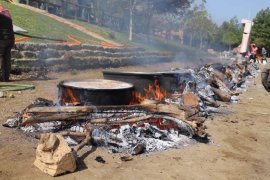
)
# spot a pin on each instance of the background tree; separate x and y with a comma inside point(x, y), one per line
point(261, 30)
point(141, 12)
point(199, 27)
point(231, 33)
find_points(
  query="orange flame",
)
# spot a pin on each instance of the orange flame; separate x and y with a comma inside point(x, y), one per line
point(69, 97)
point(153, 92)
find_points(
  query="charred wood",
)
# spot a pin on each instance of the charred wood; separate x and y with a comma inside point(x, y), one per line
point(223, 96)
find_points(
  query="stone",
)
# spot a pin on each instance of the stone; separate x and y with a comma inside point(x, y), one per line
point(29, 54)
point(54, 156)
point(11, 95)
point(2, 94)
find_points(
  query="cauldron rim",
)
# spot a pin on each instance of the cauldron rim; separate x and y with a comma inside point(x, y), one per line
point(132, 73)
point(128, 85)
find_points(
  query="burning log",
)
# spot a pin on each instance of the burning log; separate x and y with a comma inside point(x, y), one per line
point(188, 115)
point(74, 111)
point(47, 114)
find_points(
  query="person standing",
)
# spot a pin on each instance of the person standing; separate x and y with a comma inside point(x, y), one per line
point(7, 41)
point(253, 52)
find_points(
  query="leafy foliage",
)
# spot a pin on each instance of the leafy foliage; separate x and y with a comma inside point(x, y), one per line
point(261, 29)
point(231, 32)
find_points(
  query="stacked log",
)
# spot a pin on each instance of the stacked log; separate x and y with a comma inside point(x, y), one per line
point(187, 115)
point(54, 156)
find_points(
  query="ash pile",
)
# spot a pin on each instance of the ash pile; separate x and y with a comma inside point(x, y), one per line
point(168, 112)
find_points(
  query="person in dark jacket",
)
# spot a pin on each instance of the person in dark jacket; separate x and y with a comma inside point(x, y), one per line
point(7, 40)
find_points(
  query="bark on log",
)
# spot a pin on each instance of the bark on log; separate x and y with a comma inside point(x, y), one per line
point(45, 114)
point(223, 96)
point(84, 142)
point(185, 114)
point(210, 101)
point(219, 75)
point(131, 120)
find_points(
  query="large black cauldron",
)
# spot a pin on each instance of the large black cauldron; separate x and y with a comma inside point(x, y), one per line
point(170, 81)
point(95, 92)
point(177, 81)
point(140, 80)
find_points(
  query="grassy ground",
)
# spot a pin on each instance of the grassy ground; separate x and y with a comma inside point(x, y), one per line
point(39, 25)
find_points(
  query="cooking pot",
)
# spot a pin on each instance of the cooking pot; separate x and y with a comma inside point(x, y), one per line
point(95, 92)
point(140, 80)
point(177, 81)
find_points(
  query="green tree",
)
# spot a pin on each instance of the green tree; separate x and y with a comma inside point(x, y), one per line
point(231, 33)
point(199, 26)
point(261, 30)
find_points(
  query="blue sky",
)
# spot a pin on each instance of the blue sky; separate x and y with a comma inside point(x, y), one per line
point(221, 10)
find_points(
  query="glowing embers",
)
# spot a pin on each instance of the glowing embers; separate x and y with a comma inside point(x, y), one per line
point(152, 92)
point(69, 97)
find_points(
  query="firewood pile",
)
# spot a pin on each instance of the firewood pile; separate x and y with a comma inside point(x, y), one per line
point(150, 126)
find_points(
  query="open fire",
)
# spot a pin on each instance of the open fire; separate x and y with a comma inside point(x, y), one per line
point(153, 121)
point(152, 93)
point(69, 97)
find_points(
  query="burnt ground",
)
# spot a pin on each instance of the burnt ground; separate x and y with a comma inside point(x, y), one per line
point(239, 148)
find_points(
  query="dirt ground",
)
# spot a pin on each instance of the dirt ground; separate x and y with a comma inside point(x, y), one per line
point(239, 148)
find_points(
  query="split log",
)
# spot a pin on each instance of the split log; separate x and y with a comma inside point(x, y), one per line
point(188, 127)
point(71, 133)
point(127, 121)
point(210, 101)
point(223, 96)
point(47, 114)
point(240, 67)
point(41, 118)
point(219, 75)
point(185, 114)
point(54, 156)
point(191, 100)
point(228, 73)
point(85, 109)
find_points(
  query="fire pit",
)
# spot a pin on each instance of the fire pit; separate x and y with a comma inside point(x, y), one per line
point(95, 92)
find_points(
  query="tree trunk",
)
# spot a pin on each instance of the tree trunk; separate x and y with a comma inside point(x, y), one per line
point(201, 42)
point(97, 12)
point(130, 23)
point(46, 5)
point(191, 40)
